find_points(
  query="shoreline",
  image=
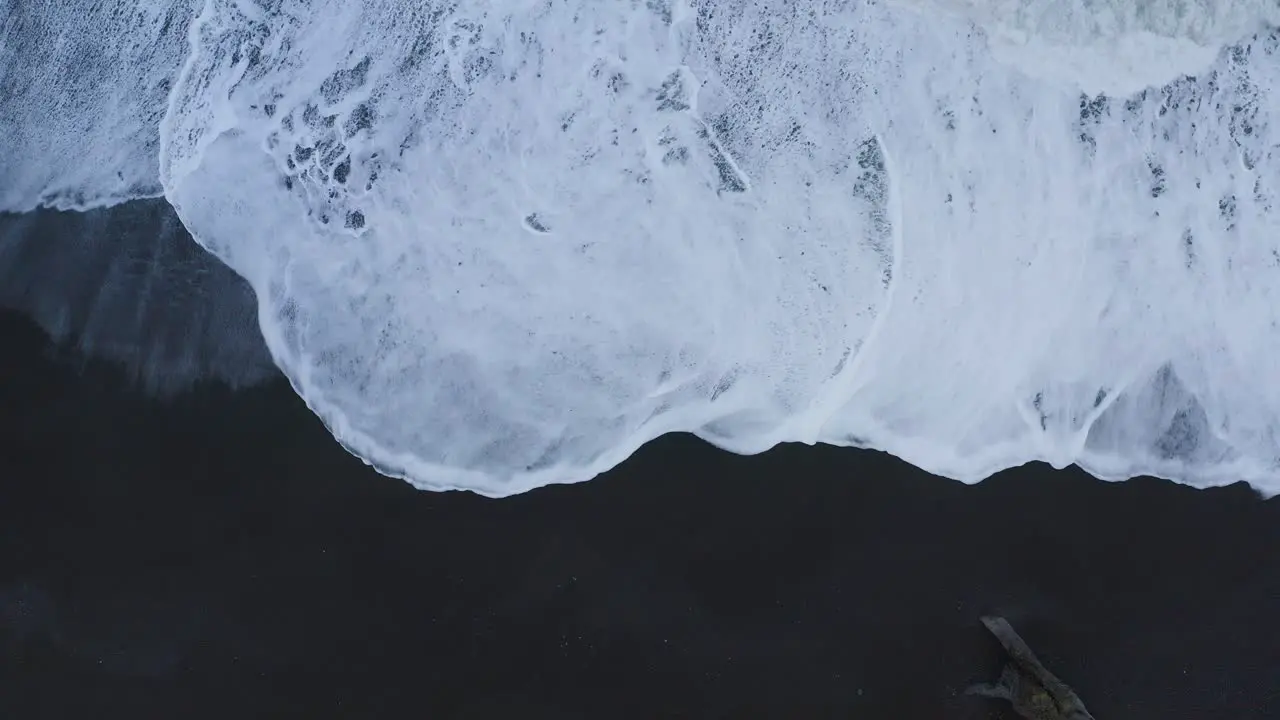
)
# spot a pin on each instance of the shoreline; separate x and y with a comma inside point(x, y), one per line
point(218, 552)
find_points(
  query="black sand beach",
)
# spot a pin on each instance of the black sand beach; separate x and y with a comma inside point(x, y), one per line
point(217, 555)
point(175, 550)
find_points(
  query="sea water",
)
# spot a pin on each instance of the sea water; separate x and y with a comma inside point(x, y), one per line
point(497, 245)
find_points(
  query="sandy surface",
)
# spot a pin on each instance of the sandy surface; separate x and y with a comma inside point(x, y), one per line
point(217, 555)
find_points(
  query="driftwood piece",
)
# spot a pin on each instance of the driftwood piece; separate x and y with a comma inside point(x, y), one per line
point(1036, 694)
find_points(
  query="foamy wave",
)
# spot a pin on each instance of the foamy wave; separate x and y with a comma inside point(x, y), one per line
point(83, 87)
point(1116, 47)
point(500, 245)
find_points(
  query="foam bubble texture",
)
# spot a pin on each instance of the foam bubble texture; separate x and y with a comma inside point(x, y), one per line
point(83, 87)
point(1108, 46)
point(502, 244)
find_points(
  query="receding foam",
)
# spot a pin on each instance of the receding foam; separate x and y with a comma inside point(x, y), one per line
point(1116, 47)
point(83, 87)
point(498, 245)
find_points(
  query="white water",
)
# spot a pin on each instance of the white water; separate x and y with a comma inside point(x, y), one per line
point(503, 244)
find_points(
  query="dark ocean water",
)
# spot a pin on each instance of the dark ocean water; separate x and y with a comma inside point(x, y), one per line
point(173, 547)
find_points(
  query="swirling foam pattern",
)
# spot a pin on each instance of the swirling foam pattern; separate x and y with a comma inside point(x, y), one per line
point(502, 244)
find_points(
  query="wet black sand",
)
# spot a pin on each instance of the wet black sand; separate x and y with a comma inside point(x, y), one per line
point(216, 554)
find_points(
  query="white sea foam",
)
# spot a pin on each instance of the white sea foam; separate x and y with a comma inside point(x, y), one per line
point(502, 244)
point(83, 87)
point(1108, 46)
